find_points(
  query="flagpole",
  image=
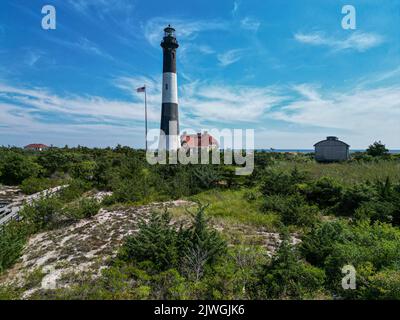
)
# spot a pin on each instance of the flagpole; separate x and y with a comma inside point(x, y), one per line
point(145, 114)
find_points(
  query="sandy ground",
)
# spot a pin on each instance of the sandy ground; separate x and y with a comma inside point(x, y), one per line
point(83, 247)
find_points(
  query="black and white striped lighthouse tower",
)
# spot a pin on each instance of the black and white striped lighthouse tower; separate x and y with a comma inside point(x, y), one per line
point(169, 138)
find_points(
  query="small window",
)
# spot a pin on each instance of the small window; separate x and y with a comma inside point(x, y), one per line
point(166, 86)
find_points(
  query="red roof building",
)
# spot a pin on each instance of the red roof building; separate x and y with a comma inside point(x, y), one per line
point(199, 141)
point(36, 147)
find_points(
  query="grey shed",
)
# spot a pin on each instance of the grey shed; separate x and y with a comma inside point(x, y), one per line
point(331, 150)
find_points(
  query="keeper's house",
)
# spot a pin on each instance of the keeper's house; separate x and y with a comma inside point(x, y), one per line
point(331, 150)
point(36, 147)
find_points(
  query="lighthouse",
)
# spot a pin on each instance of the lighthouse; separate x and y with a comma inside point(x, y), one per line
point(169, 137)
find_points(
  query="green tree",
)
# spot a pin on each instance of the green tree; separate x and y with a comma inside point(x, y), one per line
point(17, 167)
point(377, 149)
point(154, 243)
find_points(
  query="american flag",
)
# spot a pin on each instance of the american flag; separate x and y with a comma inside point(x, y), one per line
point(141, 89)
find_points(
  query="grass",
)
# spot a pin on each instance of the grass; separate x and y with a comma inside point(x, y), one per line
point(348, 173)
point(231, 206)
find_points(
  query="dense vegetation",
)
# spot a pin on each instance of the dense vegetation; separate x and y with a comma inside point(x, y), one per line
point(345, 214)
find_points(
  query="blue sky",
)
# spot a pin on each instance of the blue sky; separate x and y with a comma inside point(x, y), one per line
point(286, 69)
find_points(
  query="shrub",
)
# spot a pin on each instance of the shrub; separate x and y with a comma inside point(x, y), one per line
point(160, 246)
point(278, 182)
point(81, 209)
point(289, 277)
point(75, 190)
point(129, 191)
point(371, 249)
point(384, 285)
point(13, 237)
point(54, 159)
point(325, 192)
point(236, 276)
point(377, 211)
point(318, 244)
point(200, 245)
point(42, 213)
point(33, 185)
point(292, 209)
point(378, 244)
point(155, 243)
point(353, 197)
point(84, 170)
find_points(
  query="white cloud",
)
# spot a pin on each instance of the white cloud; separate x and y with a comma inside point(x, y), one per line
point(85, 45)
point(229, 57)
point(235, 8)
point(228, 104)
point(102, 8)
point(364, 115)
point(92, 48)
point(308, 112)
point(32, 57)
point(94, 108)
point(250, 24)
point(307, 91)
point(186, 29)
point(359, 41)
point(205, 49)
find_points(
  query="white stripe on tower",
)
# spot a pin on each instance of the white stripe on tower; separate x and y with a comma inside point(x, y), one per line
point(170, 88)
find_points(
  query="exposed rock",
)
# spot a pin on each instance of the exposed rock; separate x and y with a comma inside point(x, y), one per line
point(99, 196)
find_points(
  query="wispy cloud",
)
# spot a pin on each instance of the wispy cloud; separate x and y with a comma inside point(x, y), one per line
point(102, 8)
point(36, 101)
point(90, 47)
point(235, 8)
point(85, 45)
point(187, 29)
point(368, 114)
point(359, 41)
point(205, 49)
point(356, 114)
point(228, 103)
point(32, 57)
point(251, 24)
point(229, 57)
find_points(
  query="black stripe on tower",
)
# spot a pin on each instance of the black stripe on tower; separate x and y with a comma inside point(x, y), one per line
point(169, 113)
point(169, 45)
point(169, 61)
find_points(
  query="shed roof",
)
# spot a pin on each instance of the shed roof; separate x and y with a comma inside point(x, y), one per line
point(335, 139)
